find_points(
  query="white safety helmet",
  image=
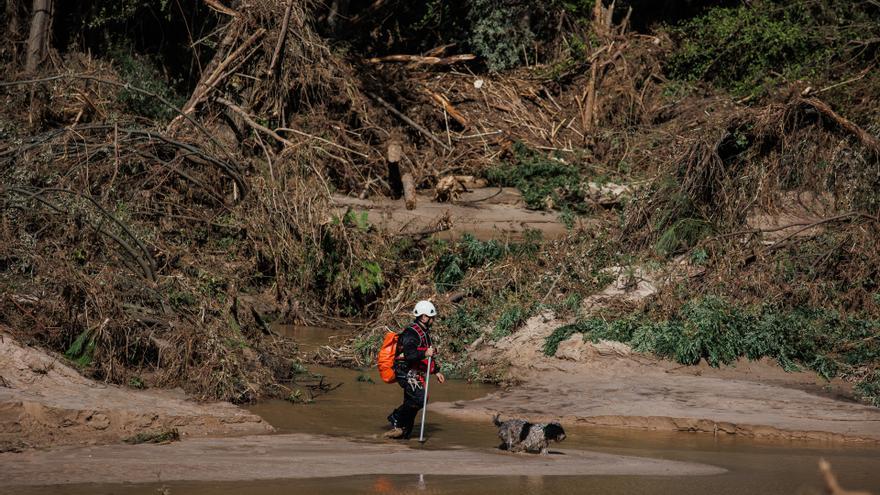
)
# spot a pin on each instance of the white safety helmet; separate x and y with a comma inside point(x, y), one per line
point(424, 308)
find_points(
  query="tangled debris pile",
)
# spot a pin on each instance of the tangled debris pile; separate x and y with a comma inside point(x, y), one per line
point(152, 238)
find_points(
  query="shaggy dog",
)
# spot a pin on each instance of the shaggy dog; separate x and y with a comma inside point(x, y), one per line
point(518, 435)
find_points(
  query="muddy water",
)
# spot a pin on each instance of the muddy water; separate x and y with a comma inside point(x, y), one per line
point(357, 410)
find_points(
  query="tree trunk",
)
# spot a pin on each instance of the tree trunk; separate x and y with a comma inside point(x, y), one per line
point(409, 191)
point(12, 20)
point(38, 39)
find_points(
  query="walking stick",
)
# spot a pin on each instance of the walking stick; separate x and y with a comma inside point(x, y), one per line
point(425, 403)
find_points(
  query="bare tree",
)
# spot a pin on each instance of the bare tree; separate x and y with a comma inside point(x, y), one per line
point(38, 39)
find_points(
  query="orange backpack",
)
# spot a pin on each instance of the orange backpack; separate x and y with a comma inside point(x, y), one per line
point(386, 356)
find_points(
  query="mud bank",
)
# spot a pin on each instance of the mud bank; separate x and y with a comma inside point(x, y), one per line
point(44, 402)
point(485, 213)
point(305, 456)
point(608, 385)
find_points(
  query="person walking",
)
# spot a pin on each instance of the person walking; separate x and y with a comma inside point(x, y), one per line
point(414, 347)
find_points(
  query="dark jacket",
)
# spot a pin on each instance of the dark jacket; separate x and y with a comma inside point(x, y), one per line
point(411, 349)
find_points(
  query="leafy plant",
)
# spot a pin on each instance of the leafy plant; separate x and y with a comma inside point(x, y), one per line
point(369, 279)
point(467, 253)
point(561, 334)
point(544, 182)
point(365, 378)
point(511, 318)
point(144, 72)
point(500, 35)
point(460, 328)
point(713, 329)
point(745, 47)
point(82, 350)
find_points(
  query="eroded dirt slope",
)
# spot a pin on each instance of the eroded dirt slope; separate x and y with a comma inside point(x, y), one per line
point(45, 402)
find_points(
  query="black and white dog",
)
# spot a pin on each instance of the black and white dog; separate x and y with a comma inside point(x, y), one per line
point(519, 435)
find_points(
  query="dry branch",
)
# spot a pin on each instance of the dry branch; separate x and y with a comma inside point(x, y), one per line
point(219, 7)
point(867, 140)
point(447, 106)
point(126, 86)
point(207, 84)
point(411, 122)
point(420, 60)
point(281, 37)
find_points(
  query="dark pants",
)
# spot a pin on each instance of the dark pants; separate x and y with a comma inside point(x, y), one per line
point(413, 397)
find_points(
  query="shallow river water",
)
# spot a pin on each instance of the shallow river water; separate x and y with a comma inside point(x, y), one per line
point(357, 410)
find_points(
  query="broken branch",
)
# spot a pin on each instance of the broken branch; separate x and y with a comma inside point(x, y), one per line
point(412, 123)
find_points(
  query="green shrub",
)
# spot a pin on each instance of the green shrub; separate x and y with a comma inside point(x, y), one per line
point(542, 180)
point(561, 334)
point(460, 328)
point(681, 235)
point(511, 318)
point(745, 47)
point(467, 253)
point(82, 350)
point(713, 329)
point(500, 35)
point(144, 72)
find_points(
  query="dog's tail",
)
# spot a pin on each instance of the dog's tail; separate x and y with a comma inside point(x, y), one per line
point(496, 419)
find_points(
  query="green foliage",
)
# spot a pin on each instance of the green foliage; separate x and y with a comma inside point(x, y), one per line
point(699, 257)
point(500, 35)
point(869, 389)
point(544, 182)
point(369, 279)
point(297, 396)
point(82, 350)
point(467, 253)
point(681, 235)
point(711, 328)
point(512, 317)
point(460, 328)
point(144, 72)
point(136, 382)
point(366, 346)
point(359, 220)
point(745, 47)
point(561, 334)
point(365, 379)
point(107, 13)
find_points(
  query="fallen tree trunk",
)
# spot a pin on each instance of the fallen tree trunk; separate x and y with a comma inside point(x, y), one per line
point(420, 60)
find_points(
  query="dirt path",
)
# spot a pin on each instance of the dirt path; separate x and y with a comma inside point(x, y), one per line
point(304, 456)
point(608, 385)
point(44, 402)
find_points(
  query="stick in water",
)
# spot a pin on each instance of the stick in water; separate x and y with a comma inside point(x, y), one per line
point(425, 403)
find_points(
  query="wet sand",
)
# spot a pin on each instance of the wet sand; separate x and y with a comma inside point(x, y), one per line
point(307, 456)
